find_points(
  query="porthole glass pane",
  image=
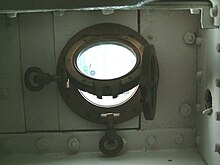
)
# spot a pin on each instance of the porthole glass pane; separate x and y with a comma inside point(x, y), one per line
point(109, 101)
point(105, 61)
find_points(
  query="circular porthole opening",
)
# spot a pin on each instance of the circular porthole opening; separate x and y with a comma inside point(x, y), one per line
point(106, 60)
point(208, 99)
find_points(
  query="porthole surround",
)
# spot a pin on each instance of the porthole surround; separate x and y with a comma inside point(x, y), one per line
point(103, 33)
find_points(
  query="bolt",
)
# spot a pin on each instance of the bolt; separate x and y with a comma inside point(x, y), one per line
point(179, 139)
point(42, 144)
point(217, 148)
point(189, 38)
point(185, 110)
point(217, 116)
point(4, 93)
point(151, 140)
point(214, 12)
point(73, 144)
point(218, 47)
point(7, 146)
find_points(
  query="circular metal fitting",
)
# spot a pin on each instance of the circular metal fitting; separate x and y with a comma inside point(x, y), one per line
point(42, 144)
point(74, 144)
point(111, 145)
point(185, 110)
point(189, 38)
point(151, 140)
point(179, 139)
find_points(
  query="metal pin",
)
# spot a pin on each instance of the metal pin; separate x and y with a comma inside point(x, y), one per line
point(108, 114)
point(207, 111)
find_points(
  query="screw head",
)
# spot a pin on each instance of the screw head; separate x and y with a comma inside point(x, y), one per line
point(189, 38)
point(73, 144)
point(179, 139)
point(185, 110)
point(151, 140)
point(4, 93)
point(7, 146)
point(42, 144)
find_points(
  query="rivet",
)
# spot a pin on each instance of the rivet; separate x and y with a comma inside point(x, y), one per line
point(4, 93)
point(151, 140)
point(179, 139)
point(73, 144)
point(217, 116)
point(42, 144)
point(218, 47)
point(217, 148)
point(214, 11)
point(198, 41)
point(185, 110)
point(189, 38)
point(7, 146)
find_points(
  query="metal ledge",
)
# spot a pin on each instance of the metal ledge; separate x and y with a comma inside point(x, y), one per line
point(26, 6)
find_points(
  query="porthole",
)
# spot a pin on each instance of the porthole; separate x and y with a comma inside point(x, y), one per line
point(102, 71)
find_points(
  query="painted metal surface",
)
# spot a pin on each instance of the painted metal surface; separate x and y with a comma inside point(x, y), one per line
point(208, 126)
point(178, 66)
point(165, 157)
point(12, 117)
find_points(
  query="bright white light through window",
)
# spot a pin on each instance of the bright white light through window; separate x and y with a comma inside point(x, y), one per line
point(108, 101)
point(104, 62)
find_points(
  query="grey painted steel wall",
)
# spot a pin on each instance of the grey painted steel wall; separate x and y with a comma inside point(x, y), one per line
point(42, 37)
point(208, 133)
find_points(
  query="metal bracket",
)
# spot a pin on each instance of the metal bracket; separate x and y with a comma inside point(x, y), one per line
point(35, 78)
point(111, 144)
